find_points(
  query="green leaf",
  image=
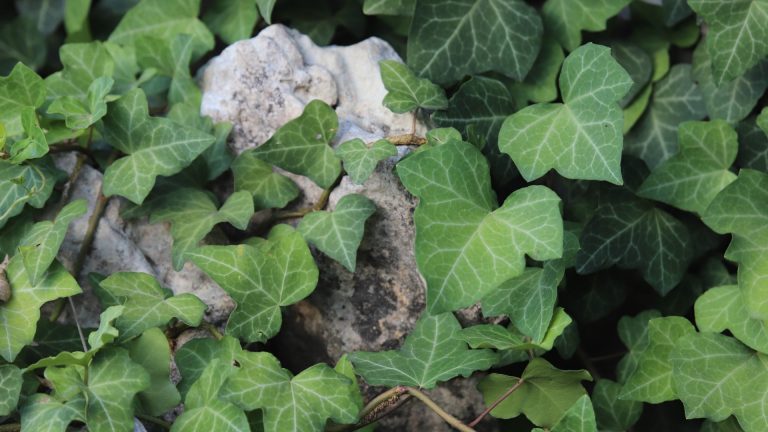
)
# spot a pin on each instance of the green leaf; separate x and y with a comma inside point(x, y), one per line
point(544, 396)
point(675, 11)
point(723, 308)
point(193, 214)
point(676, 99)
point(633, 332)
point(652, 380)
point(155, 146)
point(85, 63)
point(339, 233)
point(79, 114)
point(260, 279)
point(434, 351)
point(106, 333)
point(566, 19)
point(540, 85)
point(500, 338)
point(23, 184)
point(580, 417)
point(360, 160)
point(691, 179)
point(34, 145)
point(265, 9)
point(345, 367)
point(152, 352)
point(20, 314)
point(46, 14)
point(232, 20)
point(21, 42)
point(40, 246)
point(313, 396)
point(171, 58)
point(638, 65)
point(164, 19)
point(389, 7)
point(580, 138)
point(447, 43)
point(194, 356)
point(268, 188)
point(406, 91)
point(44, 413)
point(301, 146)
point(10, 388)
point(753, 143)
point(737, 35)
point(715, 376)
point(147, 304)
point(21, 91)
point(614, 414)
point(465, 245)
point(741, 209)
point(76, 19)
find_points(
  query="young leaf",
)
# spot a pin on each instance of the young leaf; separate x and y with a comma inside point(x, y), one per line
point(406, 91)
point(652, 380)
point(691, 179)
point(360, 160)
point(10, 388)
point(268, 188)
point(79, 114)
point(447, 43)
point(614, 414)
point(22, 90)
point(633, 332)
point(232, 20)
point(278, 272)
point(737, 37)
point(580, 417)
point(544, 396)
point(565, 19)
point(151, 351)
point(339, 233)
point(301, 146)
point(155, 146)
point(34, 145)
point(723, 308)
point(465, 244)
point(434, 351)
point(500, 338)
point(580, 138)
point(676, 99)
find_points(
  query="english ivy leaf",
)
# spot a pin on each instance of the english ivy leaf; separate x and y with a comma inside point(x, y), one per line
point(155, 146)
point(635, 110)
point(741, 209)
point(632, 233)
point(34, 145)
point(544, 396)
point(20, 314)
point(10, 388)
point(339, 233)
point(46, 14)
point(633, 332)
point(106, 333)
point(465, 244)
point(345, 367)
point(44, 413)
point(753, 143)
point(265, 9)
point(580, 138)
point(260, 279)
point(40, 246)
point(723, 308)
point(232, 20)
point(567, 18)
point(406, 91)
point(638, 65)
point(76, 19)
point(21, 91)
point(692, 178)
point(314, 395)
point(194, 356)
point(715, 376)
point(80, 114)
point(85, 63)
point(737, 36)
point(215, 159)
point(580, 417)
point(675, 11)
point(360, 160)
point(23, 184)
point(193, 213)
point(540, 85)
point(614, 414)
point(152, 352)
point(164, 19)
point(447, 43)
point(434, 351)
point(652, 380)
point(268, 188)
point(500, 338)
point(301, 146)
point(389, 7)
point(731, 101)
point(171, 59)
point(676, 99)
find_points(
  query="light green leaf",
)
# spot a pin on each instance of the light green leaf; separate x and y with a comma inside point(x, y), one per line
point(301, 146)
point(10, 388)
point(691, 179)
point(723, 308)
point(360, 160)
point(265, 9)
point(676, 99)
point(194, 356)
point(278, 272)
point(46, 14)
point(76, 19)
point(268, 188)
point(565, 19)
point(406, 91)
point(20, 314)
point(84, 63)
point(540, 85)
point(216, 159)
point(434, 351)
point(21, 91)
point(40, 246)
point(171, 58)
point(345, 367)
point(741, 209)
point(544, 396)
point(106, 332)
point(193, 213)
point(652, 380)
point(232, 20)
point(23, 184)
point(155, 146)
point(580, 417)
point(614, 414)
point(465, 245)
point(44, 413)
point(447, 43)
point(164, 19)
point(737, 35)
point(500, 338)
point(389, 7)
point(34, 145)
point(635, 110)
point(79, 114)
point(580, 138)
point(715, 376)
point(339, 233)
point(152, 352)
point(633, 332)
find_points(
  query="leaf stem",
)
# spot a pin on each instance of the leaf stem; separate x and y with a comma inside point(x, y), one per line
point(406, 139)
point(496, 403)
point(451, 420)
point(379, 406)
point(322, 201)
point(210, 328)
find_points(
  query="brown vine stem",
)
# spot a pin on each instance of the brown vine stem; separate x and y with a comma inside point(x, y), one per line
point(496, 403)
point(374, 410)
point(406, 139)
point(319, 205)
point(451, 420)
